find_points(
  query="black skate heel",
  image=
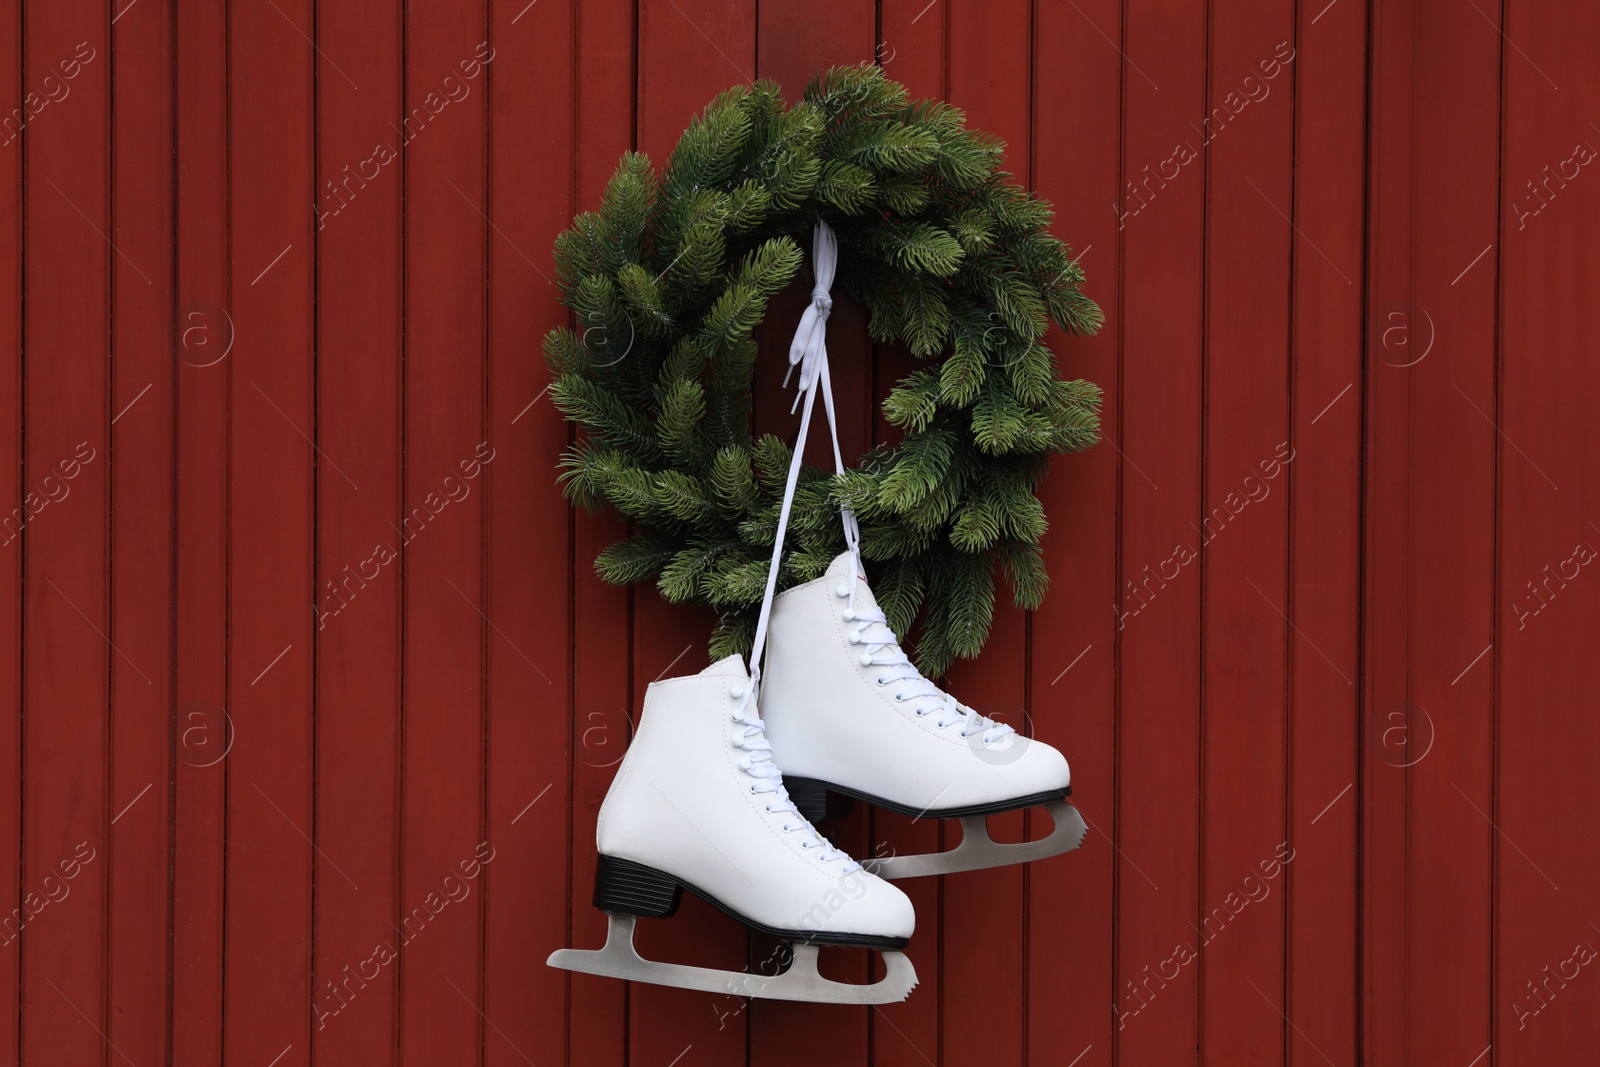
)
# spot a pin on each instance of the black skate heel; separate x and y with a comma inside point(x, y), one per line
point(816, 802)
point(810, 797)
point(624, 887)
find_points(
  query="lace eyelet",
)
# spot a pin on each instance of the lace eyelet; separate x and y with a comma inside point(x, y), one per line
point(899, 698)
point(882, 681)
point(841, 590)
point(737, 692)
point(752, 787)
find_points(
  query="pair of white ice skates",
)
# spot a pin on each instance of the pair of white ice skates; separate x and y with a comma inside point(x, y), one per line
point(699, 802)
point(730, 768)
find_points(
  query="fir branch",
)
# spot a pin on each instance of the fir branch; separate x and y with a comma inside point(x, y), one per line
point(634, 559)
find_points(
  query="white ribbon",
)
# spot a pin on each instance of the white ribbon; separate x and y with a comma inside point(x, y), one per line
point(760, 642)
point(809, 351)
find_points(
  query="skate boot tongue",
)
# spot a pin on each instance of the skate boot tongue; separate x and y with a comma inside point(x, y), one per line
point(727, 667)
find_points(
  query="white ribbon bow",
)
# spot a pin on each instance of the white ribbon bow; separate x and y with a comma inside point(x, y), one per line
point(809, 350)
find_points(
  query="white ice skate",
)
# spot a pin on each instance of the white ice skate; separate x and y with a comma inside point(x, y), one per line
point(698, 804)
point(847, 712)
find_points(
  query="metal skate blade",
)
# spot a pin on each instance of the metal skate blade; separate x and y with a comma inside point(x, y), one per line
point(978, 850)
point(800, 981)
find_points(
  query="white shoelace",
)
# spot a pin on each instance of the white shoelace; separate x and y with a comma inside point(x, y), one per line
point(883, 650)
point(809, 351)
point(757, 762)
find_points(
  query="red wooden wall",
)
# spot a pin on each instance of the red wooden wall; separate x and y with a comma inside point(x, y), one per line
point(317, 694)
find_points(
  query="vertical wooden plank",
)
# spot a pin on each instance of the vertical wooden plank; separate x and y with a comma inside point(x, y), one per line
point(990, 67)
point(912, 49)
point(602, 726)
point(913, 39)
point(1324, 489)
point(445, 634)
point(603, 706)
point(67, 653)
point(12, 522)
point(1161, 216)
point(1251, 257)
point(530, 190)
point(688, 53)
point(206, 333)
point(354, 987)
point(1453, 220)
point(1071, 902)
point(800, 38)
point(271, 823)
point(1547, 603)
point(142, 497)
point(1386, 521)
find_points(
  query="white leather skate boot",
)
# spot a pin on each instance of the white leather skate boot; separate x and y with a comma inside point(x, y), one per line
point(847, 712)
point(697, 804)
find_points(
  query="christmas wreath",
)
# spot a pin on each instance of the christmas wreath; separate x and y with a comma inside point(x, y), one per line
point(669, 278)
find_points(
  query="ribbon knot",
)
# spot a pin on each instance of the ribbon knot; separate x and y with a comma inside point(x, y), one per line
point(822, 302)
point(809, 350)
